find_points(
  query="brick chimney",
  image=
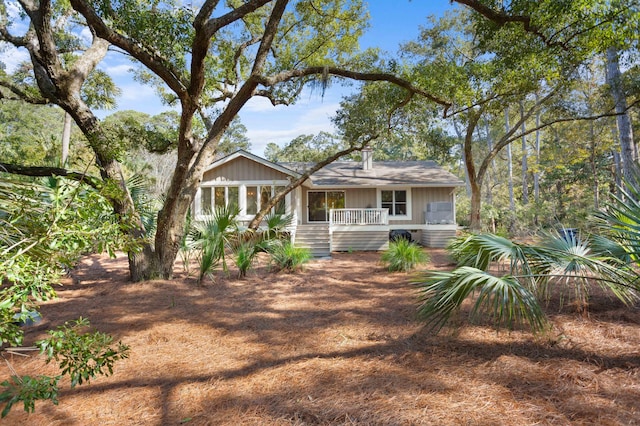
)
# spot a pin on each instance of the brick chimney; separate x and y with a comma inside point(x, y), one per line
point(367, 158)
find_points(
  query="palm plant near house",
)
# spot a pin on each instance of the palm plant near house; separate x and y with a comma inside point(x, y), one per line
point(511, 280)
point(245, 253)
point(287, 257)
point(212, 236)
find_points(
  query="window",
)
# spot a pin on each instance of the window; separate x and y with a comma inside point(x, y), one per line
point(205, 204)
point(394, 200)
point(260, 195)
point(252, 200)
point(212, 197)
point(321, 202)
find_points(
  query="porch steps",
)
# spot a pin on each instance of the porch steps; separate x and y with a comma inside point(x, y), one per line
point(314, 237)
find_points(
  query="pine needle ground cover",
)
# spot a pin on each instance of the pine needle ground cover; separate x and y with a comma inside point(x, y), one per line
point(336, 343)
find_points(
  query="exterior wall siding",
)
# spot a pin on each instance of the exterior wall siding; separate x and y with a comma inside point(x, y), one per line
point(360, 198)
point(243, 169)
point(437, 238)
point(419, 199)
point(359, 241)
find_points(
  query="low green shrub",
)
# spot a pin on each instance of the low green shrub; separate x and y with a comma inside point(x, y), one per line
point(286, 257)
point(404, 255)
point(244, 256)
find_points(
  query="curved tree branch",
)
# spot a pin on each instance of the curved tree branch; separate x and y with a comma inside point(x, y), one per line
point(21, 95)
point(501, 19)
point(151, 60)
point(34, 171)
point(354, 75)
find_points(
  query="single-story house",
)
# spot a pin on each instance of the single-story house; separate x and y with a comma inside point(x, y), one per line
point(344, 206)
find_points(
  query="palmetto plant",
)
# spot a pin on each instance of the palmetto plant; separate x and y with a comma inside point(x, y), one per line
point(245, 253)
point(287, 257)
point(511, 280)
point(403, 255)
point(212, 236)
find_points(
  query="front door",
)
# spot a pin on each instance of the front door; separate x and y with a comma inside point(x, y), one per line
point(320, 202)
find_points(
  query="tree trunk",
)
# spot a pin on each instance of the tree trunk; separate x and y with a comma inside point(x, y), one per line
point(490, 176)
point(66, 138)
point(525, 184)
point(594, 166)
point(625, 131)
point(475, 179)
point(111, 172)
point(476, 205)
point(536, 175)
point(512, 204)
point(467, 180)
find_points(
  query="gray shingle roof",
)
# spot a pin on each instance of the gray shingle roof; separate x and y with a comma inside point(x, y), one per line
point(399, 173)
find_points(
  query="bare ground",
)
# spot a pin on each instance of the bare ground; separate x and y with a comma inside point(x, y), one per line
point(335, 344)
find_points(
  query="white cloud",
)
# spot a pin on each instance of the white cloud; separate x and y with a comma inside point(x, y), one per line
point(12, 57)
point(118, 70)
point(287, 124)
point(259, 104)
point(17, 25)
point(86, 35)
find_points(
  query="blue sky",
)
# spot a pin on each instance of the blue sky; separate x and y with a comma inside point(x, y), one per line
point(392, 23)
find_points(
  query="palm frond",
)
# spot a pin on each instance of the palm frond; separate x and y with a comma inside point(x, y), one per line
point(484, 250)
point(212, 236)
point(504, 299)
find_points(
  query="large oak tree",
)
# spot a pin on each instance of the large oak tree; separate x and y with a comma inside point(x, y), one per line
point(209, 61)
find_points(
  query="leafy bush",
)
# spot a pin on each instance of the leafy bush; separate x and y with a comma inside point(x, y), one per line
point(404, 255)
point(286, 257)
point(45, 226)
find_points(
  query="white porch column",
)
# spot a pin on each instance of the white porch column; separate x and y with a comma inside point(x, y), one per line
point(197, 203)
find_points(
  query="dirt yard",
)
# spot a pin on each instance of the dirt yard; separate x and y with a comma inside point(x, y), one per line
point(336, 344)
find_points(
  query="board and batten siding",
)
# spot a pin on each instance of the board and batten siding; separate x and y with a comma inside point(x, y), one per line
point(362, 198)
point(420, 197)
point(243, 169)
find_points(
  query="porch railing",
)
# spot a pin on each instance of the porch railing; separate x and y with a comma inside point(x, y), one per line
point(358, 217)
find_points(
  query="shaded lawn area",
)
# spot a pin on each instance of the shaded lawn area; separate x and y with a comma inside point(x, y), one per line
point(334, 344)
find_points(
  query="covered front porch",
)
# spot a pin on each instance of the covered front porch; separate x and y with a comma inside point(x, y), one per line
point(367, 229)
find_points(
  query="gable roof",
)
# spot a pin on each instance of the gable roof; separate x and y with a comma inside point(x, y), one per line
point(383, 173)
point(242, 153)
point(351, 173)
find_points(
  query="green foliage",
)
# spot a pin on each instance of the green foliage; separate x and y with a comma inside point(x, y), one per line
point(287, 257)
point(531, 272)
point(44, 228)
point(305, 148)
point(404, 255)
point(28, 390)
point(503, 299)
point(30, 133)
point(128, 130)
point(245, 254)
point(212, 236)
point(619, 222)
point(146, 205)
point(82, 356)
